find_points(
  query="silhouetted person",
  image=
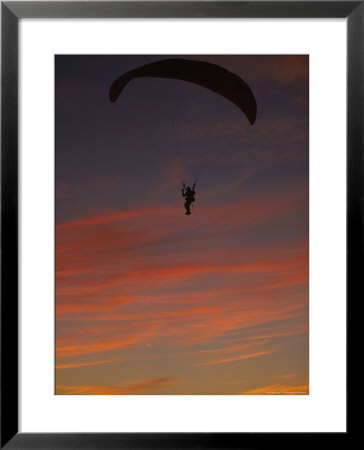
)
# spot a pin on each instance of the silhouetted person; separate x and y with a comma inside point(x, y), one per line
point(189, 195)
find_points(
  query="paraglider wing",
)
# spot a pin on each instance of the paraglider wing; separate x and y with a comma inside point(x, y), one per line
point(207, 75)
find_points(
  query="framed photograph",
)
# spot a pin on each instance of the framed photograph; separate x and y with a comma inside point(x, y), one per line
point(181, 221)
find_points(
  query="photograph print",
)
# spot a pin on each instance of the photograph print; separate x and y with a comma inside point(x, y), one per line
point(182, 224)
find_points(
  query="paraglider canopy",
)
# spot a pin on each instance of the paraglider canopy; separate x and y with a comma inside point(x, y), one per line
point(204, 74)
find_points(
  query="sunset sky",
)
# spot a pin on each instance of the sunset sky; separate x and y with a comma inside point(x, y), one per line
point(149, 300)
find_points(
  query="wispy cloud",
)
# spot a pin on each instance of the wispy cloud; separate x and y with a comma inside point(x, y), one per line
point(99, 340)
point(148, 385)
point(279, 389)
point(85, 364)
point(236, 358)
point(122, 286)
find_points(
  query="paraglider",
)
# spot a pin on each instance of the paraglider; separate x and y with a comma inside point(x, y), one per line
point(189, 195)
point(204, 74)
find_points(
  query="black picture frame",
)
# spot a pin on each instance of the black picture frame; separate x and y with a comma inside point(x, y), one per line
point(11, 12)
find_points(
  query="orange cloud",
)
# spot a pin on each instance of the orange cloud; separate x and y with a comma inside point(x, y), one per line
point(236, 358)
point(119, 284)
point(124, 388)
point(278, 389)
point(158, 274)
point(94, 343)
point(85, 364)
